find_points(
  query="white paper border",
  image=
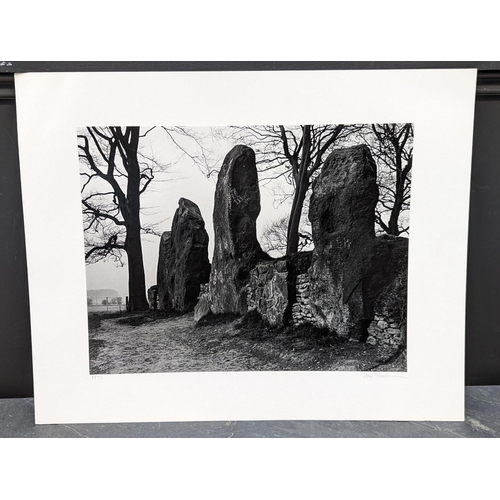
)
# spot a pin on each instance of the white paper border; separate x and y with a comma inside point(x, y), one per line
point(440, 103)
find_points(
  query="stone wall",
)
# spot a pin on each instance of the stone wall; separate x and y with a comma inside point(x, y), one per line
point(267, 291)
point(387, 289)
point(386, 331)
point(301, 310)
point(275, 285)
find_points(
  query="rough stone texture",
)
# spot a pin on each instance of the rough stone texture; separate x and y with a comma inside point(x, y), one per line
point(161, 276)
point(349, 277)
point(384, 330)
point(186, 265)
point(267, 291)
point(301, 309)
point(299, 263)
point(273, 289)
point(202, 307)
point(236, 252)
point(387, 290)
point(153, 297)
point(386, 284)
point(342, 214)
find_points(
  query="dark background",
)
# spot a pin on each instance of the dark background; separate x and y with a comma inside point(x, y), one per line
point(482, 363)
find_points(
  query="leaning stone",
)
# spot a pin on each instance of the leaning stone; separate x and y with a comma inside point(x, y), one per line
point(186, 265)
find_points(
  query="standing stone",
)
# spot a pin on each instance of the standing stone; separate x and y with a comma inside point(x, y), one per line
point(153, 298)
point(186, 265)
point(342, 214)
point(161, 278)
point(236, 252)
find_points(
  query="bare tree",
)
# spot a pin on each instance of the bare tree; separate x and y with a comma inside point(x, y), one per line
point(392, 148)
point(295, 154)
point(114, 176)
point(274, 237)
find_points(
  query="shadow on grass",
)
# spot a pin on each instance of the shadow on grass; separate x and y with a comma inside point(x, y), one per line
point(253, 327)
point(129, 318)
point(211, 319)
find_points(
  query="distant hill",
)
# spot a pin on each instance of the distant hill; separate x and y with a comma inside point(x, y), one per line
point(93, 294)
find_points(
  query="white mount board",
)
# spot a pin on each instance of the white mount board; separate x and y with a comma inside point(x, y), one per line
point(440, 104)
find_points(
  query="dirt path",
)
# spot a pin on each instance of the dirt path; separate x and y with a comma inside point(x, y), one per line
point(153, 347)
point(155, 344)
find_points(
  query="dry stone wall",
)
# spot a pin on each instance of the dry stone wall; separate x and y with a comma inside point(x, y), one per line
point(385, 330)
point(267, 291)
point(387, 290)
point(301, 309)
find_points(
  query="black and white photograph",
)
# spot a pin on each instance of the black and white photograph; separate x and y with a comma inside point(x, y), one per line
point(220, 254)
point(246, 248)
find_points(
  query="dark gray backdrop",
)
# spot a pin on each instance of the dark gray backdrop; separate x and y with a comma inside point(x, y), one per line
point(482, 363)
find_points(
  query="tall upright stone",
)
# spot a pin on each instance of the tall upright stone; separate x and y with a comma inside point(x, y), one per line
point(161, 277)
point(342, 214)
point(185, 265)
point(236, 252)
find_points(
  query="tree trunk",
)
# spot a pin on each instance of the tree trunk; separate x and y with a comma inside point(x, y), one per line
point(133, 244)
point(393, 225)
point(292, 245)
point(136, 277)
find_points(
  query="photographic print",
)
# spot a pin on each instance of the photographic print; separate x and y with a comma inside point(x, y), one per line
point(246, 247)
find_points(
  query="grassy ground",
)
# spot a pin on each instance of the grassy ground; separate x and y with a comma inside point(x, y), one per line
point(157, 343)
